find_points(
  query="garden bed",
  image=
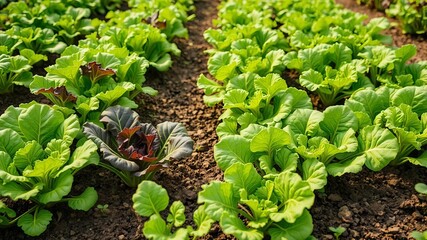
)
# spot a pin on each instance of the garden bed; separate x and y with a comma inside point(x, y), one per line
point(371, 205)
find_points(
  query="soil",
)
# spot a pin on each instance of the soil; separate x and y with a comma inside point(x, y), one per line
point(371, 205)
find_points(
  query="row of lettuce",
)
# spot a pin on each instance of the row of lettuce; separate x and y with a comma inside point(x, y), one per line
point(275, 147)
point(92, 86)
point(412, 14)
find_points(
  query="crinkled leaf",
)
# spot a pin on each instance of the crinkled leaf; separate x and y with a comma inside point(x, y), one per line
point(300, 229)
point(244, 81)
point(69, 129)
point(243, 176)
point(202, 221)
point(176, 215)
point(420, 160)
point(286, 102)
point(83, 155)
point(155, 228)
point(286, 159)
point(314, 172)
point(379, 147)
point(269, 140)
point(270, 85)
point(27, 155)
point(209, 86)
point(414, 96)
point(222, 65)
point(16, 191)
point(61, 186)
point(366, 97)
point(305, 121)
point(338, 119)
point(312, 80)
point(353, 165)
point(44, 167)
point(150, 198)
point(232, 149)
point(58, 149)
point(10, 142)
point(110, 96)
point(295, 194)
point(40, 122)
point(218, 198)
point(235, 98)
point(231, 224)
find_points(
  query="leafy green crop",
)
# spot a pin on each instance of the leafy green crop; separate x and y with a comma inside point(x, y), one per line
point(88, 80)
point(38, 164)
point(156, 227)
point(15, 70)
point(275, 130)
point(134, 150)
point(274, 207)
point(401, 111)
point(142, 39)
point(411, 13)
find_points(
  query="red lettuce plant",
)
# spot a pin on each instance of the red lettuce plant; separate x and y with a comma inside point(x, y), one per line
point(134, 150)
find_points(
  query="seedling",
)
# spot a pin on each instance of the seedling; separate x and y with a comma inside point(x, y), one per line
point(337, 231)
point(103, 208)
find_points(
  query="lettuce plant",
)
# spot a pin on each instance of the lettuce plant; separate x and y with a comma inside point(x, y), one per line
point(402, 112)
point(134, 150)
point(156, 227)
point(88, 80)
point(15, 70)
point(60, 20)
point(147, 29)
point(7, 44)
point(250, 207)
point(411, 14)
point(172, 14)
point(145, 40)
point(262, 100)
point(40, 40)
point(38, 164)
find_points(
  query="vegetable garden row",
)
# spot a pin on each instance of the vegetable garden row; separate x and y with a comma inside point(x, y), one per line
point(309, 90)
point(275, 147)
point(91, 84)
point(412, 14)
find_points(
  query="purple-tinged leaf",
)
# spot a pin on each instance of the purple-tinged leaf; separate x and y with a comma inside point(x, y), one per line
point(60, 93)
point(95, 72)
point(118, 118)
point(153, 21)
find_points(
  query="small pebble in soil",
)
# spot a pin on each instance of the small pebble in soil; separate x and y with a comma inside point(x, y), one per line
point(328, 237)
point(354, 234)
point(393, 229)
point(345, 214)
